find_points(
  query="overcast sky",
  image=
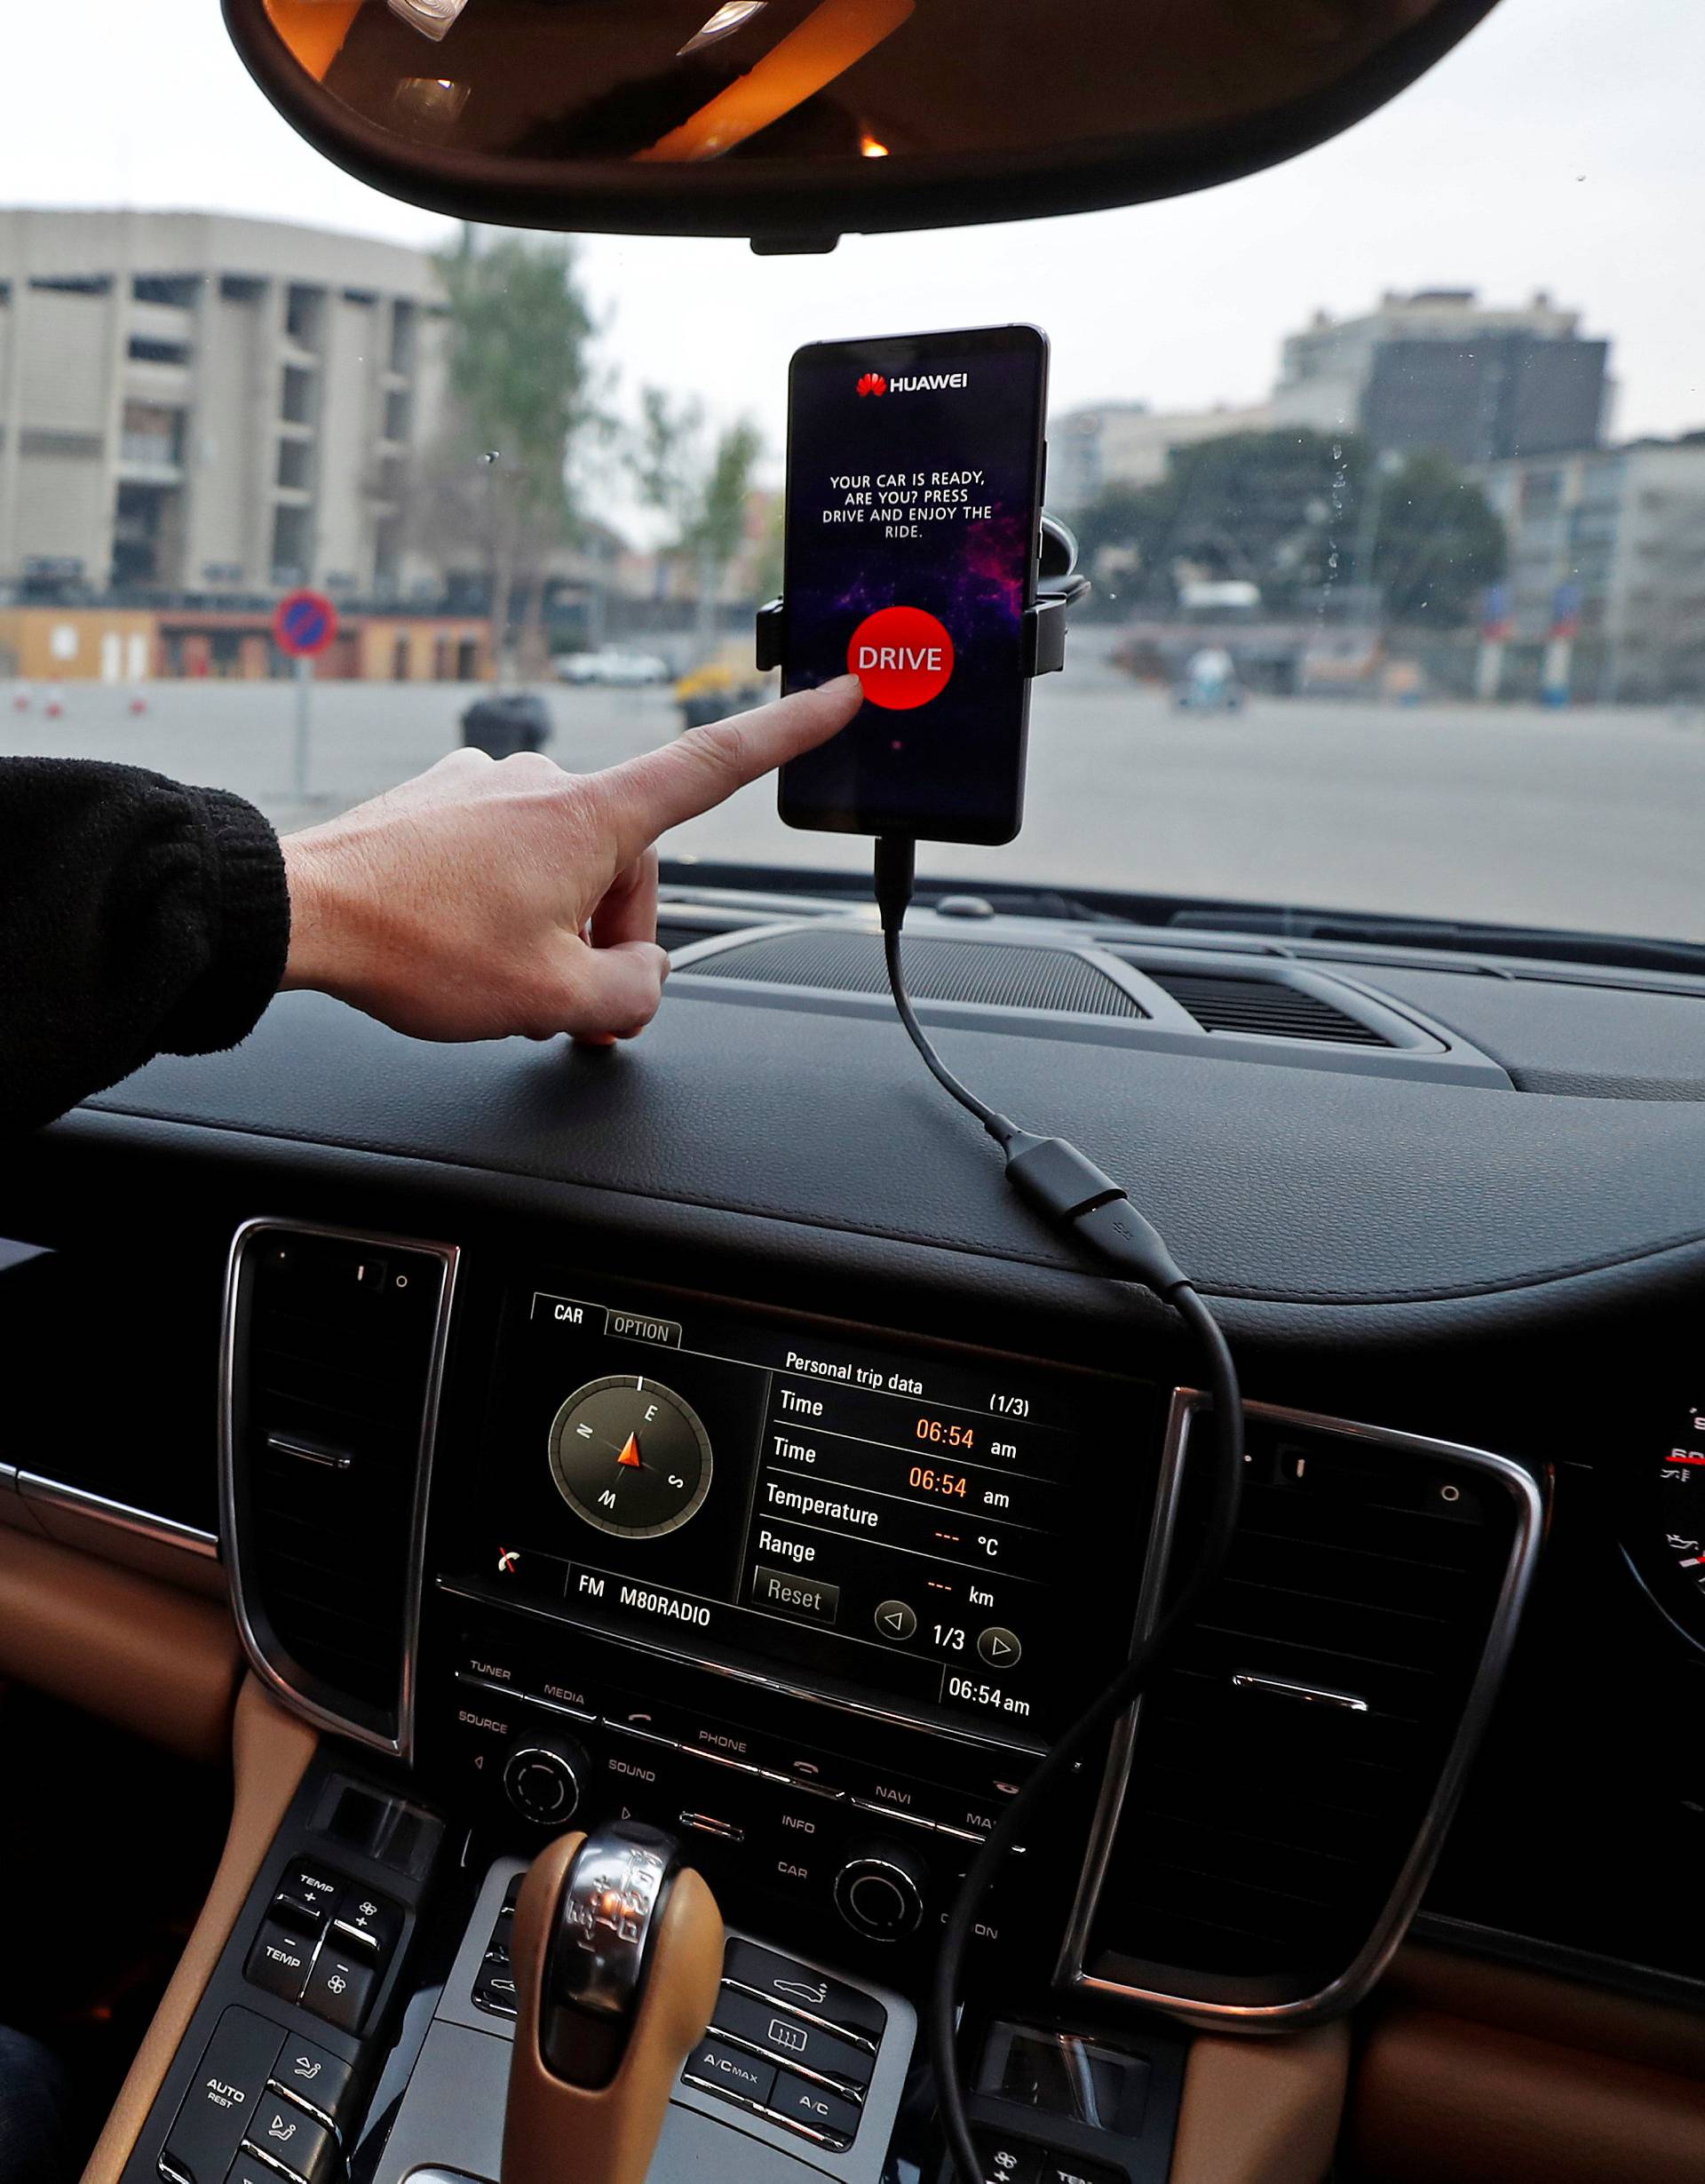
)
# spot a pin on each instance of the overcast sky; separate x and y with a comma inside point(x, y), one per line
point(1558, 148)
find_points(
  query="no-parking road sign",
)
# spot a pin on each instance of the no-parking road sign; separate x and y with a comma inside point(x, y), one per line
point(305, 624)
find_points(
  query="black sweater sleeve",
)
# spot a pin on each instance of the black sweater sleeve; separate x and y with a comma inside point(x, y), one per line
point(137, 917)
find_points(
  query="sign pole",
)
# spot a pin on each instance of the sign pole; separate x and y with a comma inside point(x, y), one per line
point(303, 693)
point(304, 623)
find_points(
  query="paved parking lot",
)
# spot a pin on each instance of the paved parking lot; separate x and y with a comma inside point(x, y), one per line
point(1589, 818)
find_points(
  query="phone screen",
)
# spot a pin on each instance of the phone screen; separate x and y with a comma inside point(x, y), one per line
point(914, 494)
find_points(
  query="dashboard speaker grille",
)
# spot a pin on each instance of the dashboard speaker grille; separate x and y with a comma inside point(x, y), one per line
point(1268, 1008)
point(334, 1344)
point(1286, 1759)
point(1001, 975)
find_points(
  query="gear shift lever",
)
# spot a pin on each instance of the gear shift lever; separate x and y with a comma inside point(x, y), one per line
point(617, 1949)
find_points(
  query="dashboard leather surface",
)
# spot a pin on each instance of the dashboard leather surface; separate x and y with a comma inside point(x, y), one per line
point(1298, 1187)
point(160, 1662)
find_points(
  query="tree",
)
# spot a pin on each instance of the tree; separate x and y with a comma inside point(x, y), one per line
point(525, 390)
point(703, 492)
point(1288, 511)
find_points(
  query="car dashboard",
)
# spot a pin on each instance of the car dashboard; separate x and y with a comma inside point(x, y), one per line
point(700, 1433)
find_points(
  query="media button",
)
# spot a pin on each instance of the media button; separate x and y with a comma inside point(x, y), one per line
point(785, 1593)
point(896, 1621)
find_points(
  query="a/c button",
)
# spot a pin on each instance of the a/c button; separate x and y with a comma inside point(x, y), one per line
point(726, 2069)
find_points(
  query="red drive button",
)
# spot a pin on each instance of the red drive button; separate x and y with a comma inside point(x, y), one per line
point(903, 657)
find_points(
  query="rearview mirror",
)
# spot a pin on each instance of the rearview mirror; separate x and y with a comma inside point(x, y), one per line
point(795, 120)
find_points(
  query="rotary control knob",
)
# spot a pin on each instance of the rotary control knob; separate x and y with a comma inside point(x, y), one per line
point(879, 1892)
point(545, 1778)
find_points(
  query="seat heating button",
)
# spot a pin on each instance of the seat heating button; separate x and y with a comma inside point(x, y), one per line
point(216, 2110)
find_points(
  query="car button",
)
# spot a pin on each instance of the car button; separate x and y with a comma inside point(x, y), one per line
point(779, 1979)
point(790, 2039)
point(216, 2110)
point(726, 2069)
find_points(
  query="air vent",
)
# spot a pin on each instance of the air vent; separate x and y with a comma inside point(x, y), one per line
point(1263, 1008)
point(994, 974)
point(1289, 1757)
point(335, 1345)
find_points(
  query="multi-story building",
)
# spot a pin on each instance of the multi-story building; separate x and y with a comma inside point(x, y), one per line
point(1440, 369)
point(1607, 553)
point(196, 403)
point(1126, 444)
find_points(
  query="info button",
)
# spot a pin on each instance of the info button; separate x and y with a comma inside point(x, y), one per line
point(786, 1593)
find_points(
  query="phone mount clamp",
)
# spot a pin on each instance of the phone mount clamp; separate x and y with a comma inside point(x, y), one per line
point(1059, 587)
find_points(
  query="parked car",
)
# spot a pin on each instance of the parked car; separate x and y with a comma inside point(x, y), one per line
point(721, 687)
point(1209, 683)
point(504, 722)
point(611, 668)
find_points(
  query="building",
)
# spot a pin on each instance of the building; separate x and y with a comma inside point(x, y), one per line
point(1126, 444)
point(191, 403)
point(1440, 369)
point(1607, 557)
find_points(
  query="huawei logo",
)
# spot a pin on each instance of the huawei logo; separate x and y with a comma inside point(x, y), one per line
point(872, 383)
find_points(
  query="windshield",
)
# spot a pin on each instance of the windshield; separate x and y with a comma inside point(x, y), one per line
point(1388, 466)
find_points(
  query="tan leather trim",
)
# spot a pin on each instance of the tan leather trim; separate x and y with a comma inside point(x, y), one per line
point(1442, 2100)
point(157, 1660)
point(270, 1752)
point(1262, 2111)
point(555, 2134)
point(1653, 2034)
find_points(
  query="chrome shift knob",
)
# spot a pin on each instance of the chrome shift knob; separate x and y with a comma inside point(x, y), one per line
point(617, 1951)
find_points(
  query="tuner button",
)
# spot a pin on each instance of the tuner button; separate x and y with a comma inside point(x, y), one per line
point(545, 1782)
point(880, 1894)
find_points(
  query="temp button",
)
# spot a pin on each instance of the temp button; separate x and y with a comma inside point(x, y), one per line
point(788, 1593)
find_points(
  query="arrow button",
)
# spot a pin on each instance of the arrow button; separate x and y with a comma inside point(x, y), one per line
point(1000, 1647)
point(895, 1620)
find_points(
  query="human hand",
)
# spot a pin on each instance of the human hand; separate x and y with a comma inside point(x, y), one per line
point(490, 897)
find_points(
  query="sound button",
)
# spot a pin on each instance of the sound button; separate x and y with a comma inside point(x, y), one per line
point(1000, 1647)
point(896, 1621)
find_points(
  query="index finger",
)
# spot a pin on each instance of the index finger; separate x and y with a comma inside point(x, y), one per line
point(643, 797)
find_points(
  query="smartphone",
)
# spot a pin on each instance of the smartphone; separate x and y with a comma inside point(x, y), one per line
point(914, 501)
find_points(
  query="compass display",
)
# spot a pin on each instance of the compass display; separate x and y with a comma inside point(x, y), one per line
point(631, 1456)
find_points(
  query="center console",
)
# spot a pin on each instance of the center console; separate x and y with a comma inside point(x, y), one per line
point(815, 1605)
point(543, 1549)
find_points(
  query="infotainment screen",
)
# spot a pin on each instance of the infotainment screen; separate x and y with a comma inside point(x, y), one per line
point(952, 1533)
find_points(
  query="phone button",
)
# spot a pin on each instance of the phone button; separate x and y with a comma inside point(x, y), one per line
point(903, 656)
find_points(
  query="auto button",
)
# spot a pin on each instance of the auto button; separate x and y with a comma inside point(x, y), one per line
point(218, 2109)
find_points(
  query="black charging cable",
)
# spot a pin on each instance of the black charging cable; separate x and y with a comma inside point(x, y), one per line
point(1077, 1197)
